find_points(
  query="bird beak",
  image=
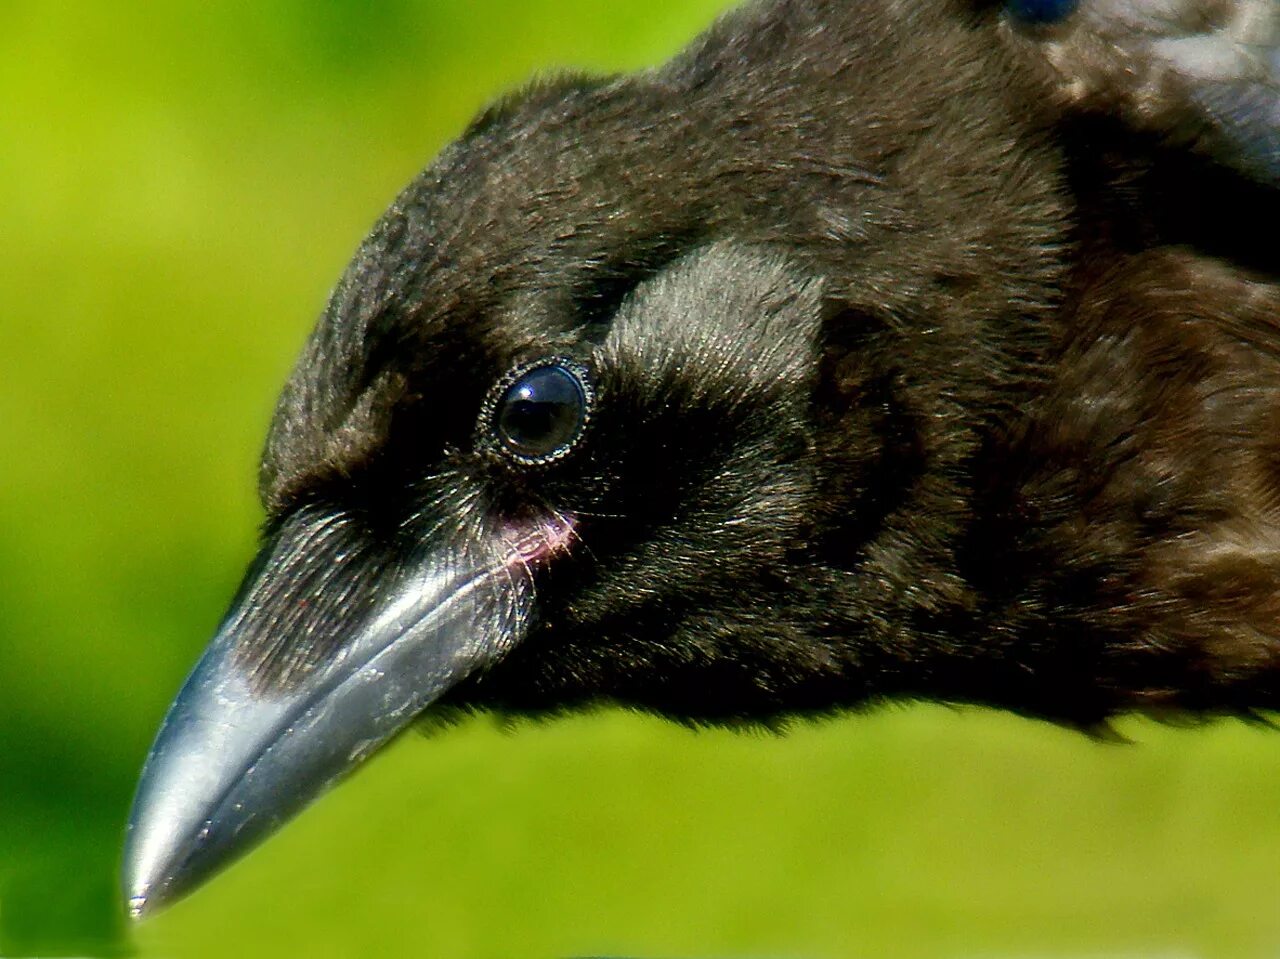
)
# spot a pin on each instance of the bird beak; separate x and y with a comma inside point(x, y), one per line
point(326, 654)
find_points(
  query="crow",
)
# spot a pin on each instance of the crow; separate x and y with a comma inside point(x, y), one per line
point(869, 349)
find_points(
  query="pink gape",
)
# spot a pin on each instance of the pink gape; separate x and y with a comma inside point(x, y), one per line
point(532, 545)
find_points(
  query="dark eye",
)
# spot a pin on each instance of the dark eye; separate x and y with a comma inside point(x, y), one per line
point(541, 415)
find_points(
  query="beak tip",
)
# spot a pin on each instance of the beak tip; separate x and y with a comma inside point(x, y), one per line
point(137, 907)
point(140, 891)
point(146, 895)
point(150, 873)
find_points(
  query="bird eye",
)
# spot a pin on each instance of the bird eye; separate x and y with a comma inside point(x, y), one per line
point(541, 414)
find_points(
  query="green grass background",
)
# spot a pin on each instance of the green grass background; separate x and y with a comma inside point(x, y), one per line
point(179, 185)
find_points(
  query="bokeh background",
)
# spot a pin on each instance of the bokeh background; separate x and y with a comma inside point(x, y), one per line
point(180, 183)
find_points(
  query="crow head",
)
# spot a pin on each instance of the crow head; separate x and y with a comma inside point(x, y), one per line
point(584, 492)
point(665, 390)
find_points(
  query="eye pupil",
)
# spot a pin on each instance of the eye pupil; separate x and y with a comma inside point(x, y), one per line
point(541, 414)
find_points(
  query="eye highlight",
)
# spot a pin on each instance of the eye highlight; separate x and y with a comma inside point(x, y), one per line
point(541, 411)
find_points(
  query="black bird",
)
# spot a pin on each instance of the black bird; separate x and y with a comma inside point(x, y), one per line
point(890, 348)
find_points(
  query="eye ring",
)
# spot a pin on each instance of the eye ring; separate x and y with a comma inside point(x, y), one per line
point(538, 413)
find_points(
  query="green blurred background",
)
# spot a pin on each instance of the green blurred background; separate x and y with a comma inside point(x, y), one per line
point(179, 186)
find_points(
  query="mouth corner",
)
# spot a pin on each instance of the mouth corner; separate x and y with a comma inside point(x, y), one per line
point(535, 542)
